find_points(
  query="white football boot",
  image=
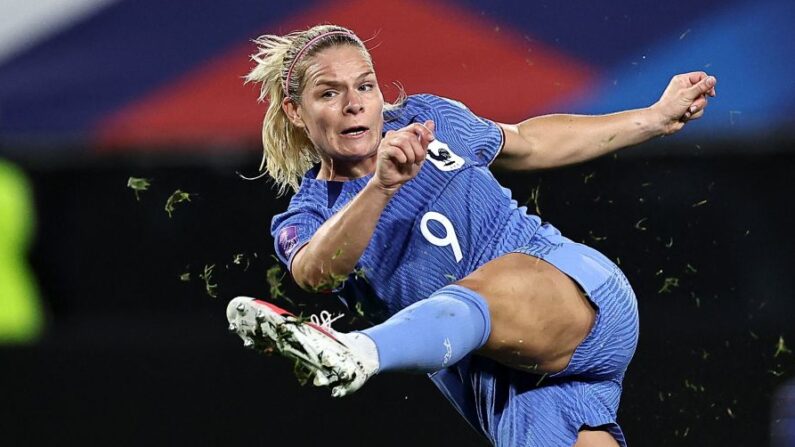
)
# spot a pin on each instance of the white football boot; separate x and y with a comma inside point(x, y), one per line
point(330, 356)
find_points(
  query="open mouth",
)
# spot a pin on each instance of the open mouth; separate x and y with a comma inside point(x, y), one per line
point(354, 131)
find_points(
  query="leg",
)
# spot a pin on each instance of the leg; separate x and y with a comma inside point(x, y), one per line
point(538, 314)
point(595, 437)
point(424, 337)
point(520, 310)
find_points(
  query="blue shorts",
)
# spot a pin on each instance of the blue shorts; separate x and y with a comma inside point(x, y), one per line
point(515, 408)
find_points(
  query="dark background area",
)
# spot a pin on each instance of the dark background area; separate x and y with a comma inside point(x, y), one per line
point(93, 92)
point(133, 355)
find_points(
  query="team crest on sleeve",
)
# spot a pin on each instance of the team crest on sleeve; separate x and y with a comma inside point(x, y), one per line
point(442, 157)
point(288, 239)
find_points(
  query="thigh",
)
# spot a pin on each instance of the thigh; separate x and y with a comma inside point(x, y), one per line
point(609, 347)
point(513, 408)
point(539, 315)
point(595, 437)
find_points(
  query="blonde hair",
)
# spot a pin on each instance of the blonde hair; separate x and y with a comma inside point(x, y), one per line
point(288, 152)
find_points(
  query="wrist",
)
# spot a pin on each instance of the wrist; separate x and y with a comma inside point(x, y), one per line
point(378, 188)
point(653, 121)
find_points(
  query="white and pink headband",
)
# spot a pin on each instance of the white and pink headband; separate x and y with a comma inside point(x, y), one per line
point(304, 49)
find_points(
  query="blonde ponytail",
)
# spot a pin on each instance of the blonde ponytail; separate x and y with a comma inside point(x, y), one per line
point(288, 152)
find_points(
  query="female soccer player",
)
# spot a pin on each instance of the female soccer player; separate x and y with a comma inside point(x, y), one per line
point(396, 210)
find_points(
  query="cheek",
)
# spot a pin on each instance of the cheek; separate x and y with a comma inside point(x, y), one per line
point(321, 124)
point(312, 125)
point(320, 131)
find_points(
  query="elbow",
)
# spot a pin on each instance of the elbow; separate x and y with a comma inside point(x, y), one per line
point(517, 162)
point(301, 280)
point(521, 147)
point(315, 277)
point(300, 271)
point(303, 277)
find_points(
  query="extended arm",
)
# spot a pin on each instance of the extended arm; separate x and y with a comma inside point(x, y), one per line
point(556, 140)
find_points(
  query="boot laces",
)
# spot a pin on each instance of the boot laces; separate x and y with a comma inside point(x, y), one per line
point(325, 320)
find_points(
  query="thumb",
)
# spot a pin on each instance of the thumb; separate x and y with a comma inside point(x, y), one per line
point(700, 88)
point(430, 125)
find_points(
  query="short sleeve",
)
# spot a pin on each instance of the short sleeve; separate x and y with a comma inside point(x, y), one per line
point(483, 138)
point(292, 230)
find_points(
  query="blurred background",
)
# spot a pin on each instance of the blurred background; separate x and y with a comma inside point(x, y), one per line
point(112, 326)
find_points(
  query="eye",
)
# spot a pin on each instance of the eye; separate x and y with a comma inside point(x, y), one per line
point(328, 94)
point(366, 87)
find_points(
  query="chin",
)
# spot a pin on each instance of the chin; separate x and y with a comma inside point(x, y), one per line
point(360, 151)
point(359, 155)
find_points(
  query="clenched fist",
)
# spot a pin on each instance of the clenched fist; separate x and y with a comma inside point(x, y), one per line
point(684, 100)
point(401, 154)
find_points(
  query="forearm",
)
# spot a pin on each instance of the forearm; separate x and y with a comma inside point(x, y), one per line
point(333, 251)
point(556, 140)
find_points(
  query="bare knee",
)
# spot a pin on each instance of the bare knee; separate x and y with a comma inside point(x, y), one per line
point(595, 437)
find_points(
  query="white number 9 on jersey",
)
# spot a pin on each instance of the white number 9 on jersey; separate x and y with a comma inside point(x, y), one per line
point(449, 237)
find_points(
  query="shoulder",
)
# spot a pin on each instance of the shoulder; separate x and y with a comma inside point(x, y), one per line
point(424, 106)
point(308, 199)
point(430, 101)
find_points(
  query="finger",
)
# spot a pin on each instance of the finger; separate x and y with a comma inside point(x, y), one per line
point(414, 128)
point(422, 132)
point(396, 155)
point(700, 88)
point(415, 148)
point(405, 143)
point(420, 148)
point(431, 126)
point(698, 104)
point(695, 77)
point(697, 115)
point(414, 151)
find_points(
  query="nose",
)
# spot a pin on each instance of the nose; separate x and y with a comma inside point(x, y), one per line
point(354, 103)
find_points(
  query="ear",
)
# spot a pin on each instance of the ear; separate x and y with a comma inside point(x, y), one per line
point(293, 113)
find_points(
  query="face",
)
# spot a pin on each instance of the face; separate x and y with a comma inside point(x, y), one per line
point(341, 106)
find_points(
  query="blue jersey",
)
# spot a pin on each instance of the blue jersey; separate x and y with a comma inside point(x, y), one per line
point(439, 227)
point(442, 225)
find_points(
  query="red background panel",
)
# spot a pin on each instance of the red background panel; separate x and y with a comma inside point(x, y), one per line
point(428, 47)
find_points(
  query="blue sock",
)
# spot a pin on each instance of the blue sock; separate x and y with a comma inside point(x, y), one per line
point(433, 333)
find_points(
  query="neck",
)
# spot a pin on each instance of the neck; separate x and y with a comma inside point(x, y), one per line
point(344, 170)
